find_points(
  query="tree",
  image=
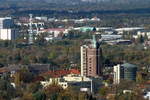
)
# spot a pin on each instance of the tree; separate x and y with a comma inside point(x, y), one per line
point(52, 91)
point(7, 91)
point(23, 75)
point(141, 39)
point(139, 78)
point(41, 39)
point(39, 95)
point(17, 79)
point(103, 91)
point(27, 96)
point(34, 87)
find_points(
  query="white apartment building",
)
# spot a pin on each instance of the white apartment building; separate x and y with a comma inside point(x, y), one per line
point(8, 34)
point(118, 73)
point(6, 29)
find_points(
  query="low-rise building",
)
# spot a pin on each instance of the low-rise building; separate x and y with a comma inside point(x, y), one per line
point(111, 37)
point(69, 80)
point(119, 42)
point(58, 81)
point(54, 33)
point(147, 96)
point(147, 43)
point(84, 29)
point(128, 29)
point(144, 33)
point(42, 18)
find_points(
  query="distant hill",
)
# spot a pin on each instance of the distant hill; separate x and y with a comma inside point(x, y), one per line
point(69, 7)
point(76, 4)
point(82, 1)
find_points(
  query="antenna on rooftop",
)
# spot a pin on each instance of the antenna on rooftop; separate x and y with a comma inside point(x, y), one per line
point(94, 41)
point(30, 30)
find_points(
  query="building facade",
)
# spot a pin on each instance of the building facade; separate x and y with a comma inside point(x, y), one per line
point(54, 33)
point(6, 23)
point(69, 80)
point(124, 71)
point(130, 71)
point(91, 59)
point(8, 34)
point(118, 73)
point(7, 29)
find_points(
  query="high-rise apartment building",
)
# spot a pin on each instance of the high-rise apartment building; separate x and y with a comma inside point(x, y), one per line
point(118, 73)
point(6, 23)
point(8, 34)
point(7, 29)
point(91, 59)
point(124, 71)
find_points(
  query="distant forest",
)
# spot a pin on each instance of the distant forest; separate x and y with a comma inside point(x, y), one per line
point(73, 7)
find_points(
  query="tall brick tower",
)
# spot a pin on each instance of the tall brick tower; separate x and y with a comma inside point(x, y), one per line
point(91, 59)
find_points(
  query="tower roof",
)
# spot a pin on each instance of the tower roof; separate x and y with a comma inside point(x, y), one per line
point(128, 65)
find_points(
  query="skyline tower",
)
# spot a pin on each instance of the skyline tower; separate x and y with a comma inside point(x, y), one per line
point(91, 59)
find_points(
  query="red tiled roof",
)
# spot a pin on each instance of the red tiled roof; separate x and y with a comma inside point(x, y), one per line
point(60, 73)
point(3, 70)
point(148, 82)
point(74, 71)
